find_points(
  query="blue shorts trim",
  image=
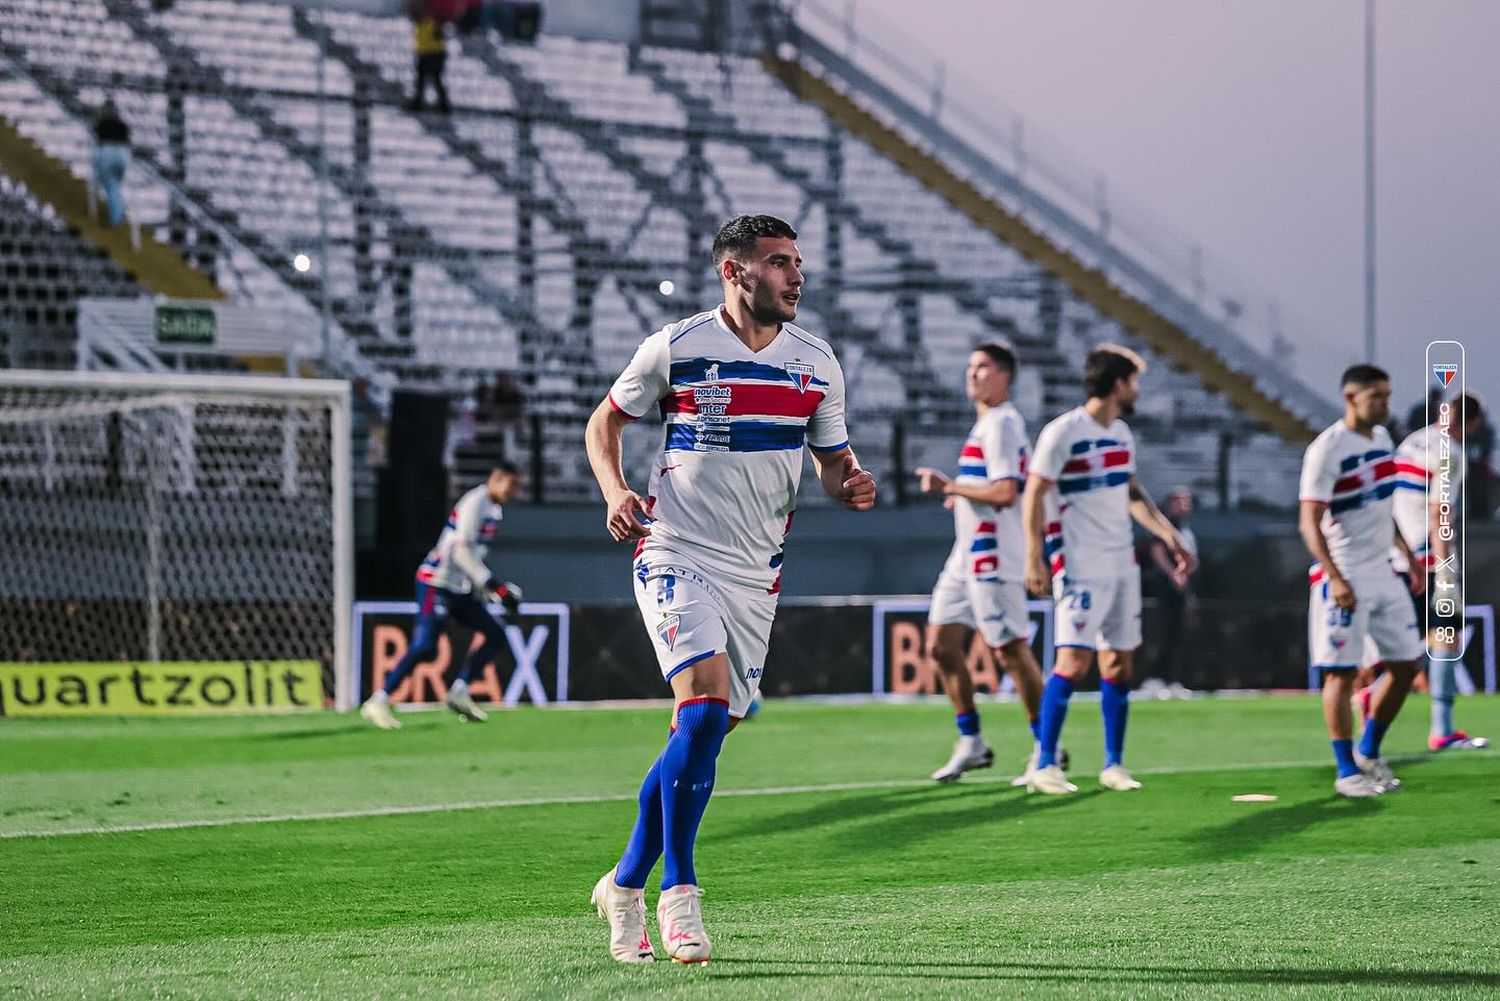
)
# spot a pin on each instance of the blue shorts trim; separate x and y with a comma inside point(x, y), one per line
point(689, 663)
point(1074, 646)
point(1334, 667)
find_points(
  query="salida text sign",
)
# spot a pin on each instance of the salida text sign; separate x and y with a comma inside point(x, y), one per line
point(532, 664)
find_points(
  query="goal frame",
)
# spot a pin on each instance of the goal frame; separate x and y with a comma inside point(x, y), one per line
point(334, 392)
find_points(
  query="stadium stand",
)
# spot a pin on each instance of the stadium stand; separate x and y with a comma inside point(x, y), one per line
point(534, 230)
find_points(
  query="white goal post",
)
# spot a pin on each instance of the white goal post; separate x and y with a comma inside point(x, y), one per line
point(160, 517)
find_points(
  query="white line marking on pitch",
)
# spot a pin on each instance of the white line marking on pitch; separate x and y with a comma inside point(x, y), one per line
point(501, 804)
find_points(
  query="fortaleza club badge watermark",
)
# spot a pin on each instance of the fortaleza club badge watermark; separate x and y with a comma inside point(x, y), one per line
point(1445, 504)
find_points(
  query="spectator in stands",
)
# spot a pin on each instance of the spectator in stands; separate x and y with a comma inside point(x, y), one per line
point(1417, 417)
point(432, 56)
point(111, 157)
point(1172, 587)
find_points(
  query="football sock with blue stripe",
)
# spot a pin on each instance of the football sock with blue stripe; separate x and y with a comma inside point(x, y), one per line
point(1443, 683)
point(1055, 696)
point(968, 723)
point(687, 781)
point(644, 846)
point(1369, 744)
point(1036, 728)
point(1343, 754)
point(1114, 703)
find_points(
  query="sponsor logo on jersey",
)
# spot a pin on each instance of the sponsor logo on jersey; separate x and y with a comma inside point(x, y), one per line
point(1444, 374)
point(667, 629)
point(801, 373)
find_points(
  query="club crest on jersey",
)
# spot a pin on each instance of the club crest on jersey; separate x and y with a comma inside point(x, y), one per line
point(1444, 374)
point(801, 373)
point(711, 374)
point(667, 629)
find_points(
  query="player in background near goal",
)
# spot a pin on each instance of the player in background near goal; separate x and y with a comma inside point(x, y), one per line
point(1416, 503)
point(742, 390)
point(1348, 476)
point(980, 585)
point(454, 582)
point(1083, 531)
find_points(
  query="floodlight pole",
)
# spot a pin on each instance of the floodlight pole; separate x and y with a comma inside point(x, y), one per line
point(1370, 181)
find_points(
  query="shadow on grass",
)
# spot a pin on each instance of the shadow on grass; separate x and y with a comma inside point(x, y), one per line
point(342, 730)
point(1100, 974)
point(1248, 834)
point(898, 816)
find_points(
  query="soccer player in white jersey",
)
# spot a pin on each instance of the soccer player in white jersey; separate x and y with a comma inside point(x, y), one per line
point(454, 582)
point(1081, 494)
point(741, 389)
point(1416, 504)
point(1348, 476)
point(980, 586)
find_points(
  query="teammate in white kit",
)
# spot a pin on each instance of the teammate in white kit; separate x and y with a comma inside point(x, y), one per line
point(1416, 504)
point(980, 586)
point(1081, 495)
point(454, 582)
point(1348, 476)
point(741, 390)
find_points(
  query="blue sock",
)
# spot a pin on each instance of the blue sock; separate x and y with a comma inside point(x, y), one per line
point(1055, 696)
point(968, 723)
point(1343, 753)
point(687, 780)
point(644, 846)
point(1036, 729)
point(1443, 684)
point(1114, 703)
point(1369, 744)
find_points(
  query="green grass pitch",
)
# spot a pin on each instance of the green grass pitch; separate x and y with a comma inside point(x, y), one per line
point(833, 871)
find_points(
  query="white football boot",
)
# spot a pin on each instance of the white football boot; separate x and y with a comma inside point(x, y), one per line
point(1357, 786)
point(1063, 761)
point(378, 711)
point(1380, 773)
point(969, 753)
point(679, 916)
point(1117, 778)
point(625, 909)
point(1051, 781)
point(461, 702)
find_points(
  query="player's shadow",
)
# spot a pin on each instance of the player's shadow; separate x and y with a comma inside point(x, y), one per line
point(898, 816)
point(1246, 835)
point(315, 732)
point(1100, 974)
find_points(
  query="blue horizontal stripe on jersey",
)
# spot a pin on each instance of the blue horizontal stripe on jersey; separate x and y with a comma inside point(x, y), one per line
point(1079, 484)
point(1052, 545)
point(1377, 493)
point(1355, 461)
point(691, 370)
point(979, 471)
point(983, 545)
point(1080, 447)
point(743, 436)
point(1419, 487)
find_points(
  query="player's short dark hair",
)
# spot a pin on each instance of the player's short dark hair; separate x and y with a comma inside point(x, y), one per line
point(1363, 375)
point(506, 466)
point(737, 236)
point(1106, 365)
point(1470, 408)
point(1001, 354)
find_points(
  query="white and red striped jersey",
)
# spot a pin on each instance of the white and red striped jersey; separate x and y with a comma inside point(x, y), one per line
point(1089, 534)
point(473, 523)
point(988, 542)
point(1418, 461)
point(724, 486)
point(1355, 475)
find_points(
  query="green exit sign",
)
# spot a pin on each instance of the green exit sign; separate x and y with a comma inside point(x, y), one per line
point(186, 326)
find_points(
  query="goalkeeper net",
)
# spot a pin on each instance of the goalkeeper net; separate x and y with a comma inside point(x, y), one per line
point(175, 518)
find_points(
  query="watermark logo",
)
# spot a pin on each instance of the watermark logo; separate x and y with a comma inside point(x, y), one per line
point(1445, 372)
point(1443, 513)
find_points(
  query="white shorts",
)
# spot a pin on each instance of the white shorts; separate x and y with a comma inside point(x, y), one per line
point(1383, 615)
point(690, 619)
point(1100, 613)
point(997, 608)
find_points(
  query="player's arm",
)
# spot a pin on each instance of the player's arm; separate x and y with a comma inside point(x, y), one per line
point(1416, 573)
point(1310, 524)
point(1034, 523)
point(843, 480)
point(996, 493)
point(602, 438)
point(1146, 514)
